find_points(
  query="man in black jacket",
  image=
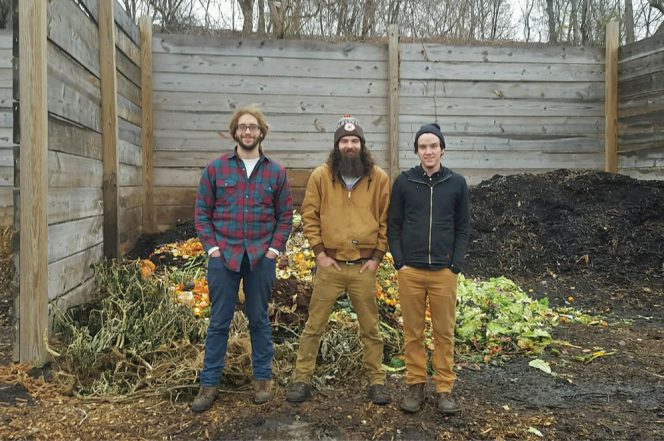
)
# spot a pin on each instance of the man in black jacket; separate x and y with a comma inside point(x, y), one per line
point(428, 225)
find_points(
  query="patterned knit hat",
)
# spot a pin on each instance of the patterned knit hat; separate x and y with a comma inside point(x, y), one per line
point(348, 126)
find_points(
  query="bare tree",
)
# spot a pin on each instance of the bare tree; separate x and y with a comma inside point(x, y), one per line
point(553, 36)
point(247, 7)
point(659, 5)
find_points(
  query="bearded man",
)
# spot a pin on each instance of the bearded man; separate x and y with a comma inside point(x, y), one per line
point(344, 213)
point(244, 214)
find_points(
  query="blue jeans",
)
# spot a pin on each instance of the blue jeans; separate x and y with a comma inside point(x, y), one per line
point(223, 285)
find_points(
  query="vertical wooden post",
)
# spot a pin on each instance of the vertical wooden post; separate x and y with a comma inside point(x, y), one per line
point(109, 127)
point(147, 137)
point(33, 168)
point(611, 98)
point(393, 99)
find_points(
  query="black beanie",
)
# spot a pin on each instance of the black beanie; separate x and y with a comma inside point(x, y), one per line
point(348, 126)
point(430, 128)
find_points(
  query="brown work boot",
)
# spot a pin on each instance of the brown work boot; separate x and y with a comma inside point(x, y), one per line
point(378, 394)
point(298, 392)
point(446, 404)
point(414, 398)
point(262, 391)
point(204, 399)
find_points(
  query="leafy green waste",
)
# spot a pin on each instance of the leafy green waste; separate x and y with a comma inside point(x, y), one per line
point(136, 339)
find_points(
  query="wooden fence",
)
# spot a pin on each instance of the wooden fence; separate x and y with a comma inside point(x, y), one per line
point(6, 135)
point(131, 119)
point(92, 205)
point(641, 108)
point(503, 109)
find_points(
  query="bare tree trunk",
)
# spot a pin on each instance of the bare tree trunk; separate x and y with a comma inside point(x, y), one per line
point(247, 7)
point(629, 21)
point(585, 25)
point(575, 21)
point(553, 37)
point(368, 18)
point(659, 5)
point(261, 17)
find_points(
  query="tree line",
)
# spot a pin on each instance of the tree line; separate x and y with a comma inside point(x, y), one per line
point(575, 22)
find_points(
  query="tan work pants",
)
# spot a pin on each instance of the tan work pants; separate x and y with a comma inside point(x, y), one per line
point(440, 286)
point(329, 284)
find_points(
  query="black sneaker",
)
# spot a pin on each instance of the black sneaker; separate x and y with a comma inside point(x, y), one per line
point(298, 392)
point(379, 395)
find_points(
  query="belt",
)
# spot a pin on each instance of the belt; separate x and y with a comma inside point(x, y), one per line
point(351, 262)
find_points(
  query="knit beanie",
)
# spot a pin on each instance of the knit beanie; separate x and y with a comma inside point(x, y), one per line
point(348, 126)
point(430, 128)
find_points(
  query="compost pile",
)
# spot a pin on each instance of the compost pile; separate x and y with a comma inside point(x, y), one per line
point(581, 234)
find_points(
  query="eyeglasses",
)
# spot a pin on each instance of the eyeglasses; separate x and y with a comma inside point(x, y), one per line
point(251, 127)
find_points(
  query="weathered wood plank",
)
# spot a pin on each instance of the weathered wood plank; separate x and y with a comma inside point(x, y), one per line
point(266, 85)
point(126, 24)
point(440, 53)
point(67, 204)
point(72, 237)
point(639, 85)
point(128, 239)
point(611, 98)
point(130, 175)
point(273, 104)
point(109, 133)
point(514, 160)
point(130, 219)
point(175, 195)
point(168, 215)
point(7, 216)
point(68, 138)
point(486, 107)
point(6, 59)
point(147, 125)
point(308, 50)
point(6, 36)
point(128, 111)
point(129, 90)
point(278, 67)
point(83, 293)
point(127, 46)
point(6, 176)
point(129, 154)
point(641, 48)
point(127, 67)
point(75, 33)
point(34, 236)
point(129, 132)
point(644, 104)
point(67, 171)
point(73, 92)
point(130, 197)
point(646, 65)
point(543, 90)
point(70, 272)
point(6, 196)
point(501, 71)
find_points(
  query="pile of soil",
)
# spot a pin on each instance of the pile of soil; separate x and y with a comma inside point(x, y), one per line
point(595, 237)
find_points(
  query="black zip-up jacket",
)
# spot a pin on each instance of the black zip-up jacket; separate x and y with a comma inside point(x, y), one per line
point(428, 220)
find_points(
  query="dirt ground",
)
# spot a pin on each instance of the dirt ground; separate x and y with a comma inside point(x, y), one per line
point(588, 240)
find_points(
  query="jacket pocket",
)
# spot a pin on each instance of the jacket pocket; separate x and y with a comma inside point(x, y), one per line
point(226, 191)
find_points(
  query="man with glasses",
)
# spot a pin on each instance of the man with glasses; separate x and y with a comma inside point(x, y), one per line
point(428, 233)
point(345, 221)
point(243, 216)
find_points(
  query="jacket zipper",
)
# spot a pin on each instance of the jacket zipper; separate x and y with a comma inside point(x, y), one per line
point(430, 206)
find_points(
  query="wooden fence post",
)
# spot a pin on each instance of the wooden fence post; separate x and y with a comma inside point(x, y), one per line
point(33, 170)
point(109, 127)
point(147, 137)
point(393, 99)
point(611, 98)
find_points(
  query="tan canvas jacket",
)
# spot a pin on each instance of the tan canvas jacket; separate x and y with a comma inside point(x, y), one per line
point(347, 225)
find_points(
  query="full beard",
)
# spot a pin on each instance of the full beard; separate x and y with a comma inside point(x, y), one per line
point(351, 166)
